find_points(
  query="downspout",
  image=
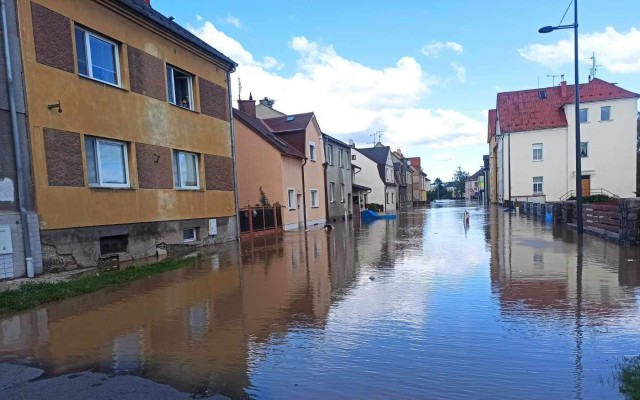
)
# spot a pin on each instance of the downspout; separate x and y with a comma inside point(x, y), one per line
point(509, 162)
point(326, 193)
point(233, 155)
point(304, 195)
point(16, 146)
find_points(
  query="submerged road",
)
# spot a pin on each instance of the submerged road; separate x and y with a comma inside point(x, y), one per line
point(418, 307)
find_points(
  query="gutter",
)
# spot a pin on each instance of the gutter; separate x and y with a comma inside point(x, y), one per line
point(325, 165)
point(304, 195)
point(233, 154)
point(21, 181)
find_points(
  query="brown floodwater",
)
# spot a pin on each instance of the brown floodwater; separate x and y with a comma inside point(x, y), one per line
point(417, 307)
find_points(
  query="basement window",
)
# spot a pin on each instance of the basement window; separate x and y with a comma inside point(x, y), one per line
point(179, 88)
point(189, 235)
point(97, 57)
point(113, 244)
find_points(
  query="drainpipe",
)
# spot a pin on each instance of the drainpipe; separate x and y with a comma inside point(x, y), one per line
point(21, 181)
point(304, 195)
point(233, 155)
point(326, 193)
point(509, 161)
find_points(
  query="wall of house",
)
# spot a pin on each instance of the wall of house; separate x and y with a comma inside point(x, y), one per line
point(493, 170)
point(136, 113)
point(255, 172)
point(340, 176)
point(611, 143)
point(369, 177)
point(292, 179)
point(314, 175)
point(552, 168)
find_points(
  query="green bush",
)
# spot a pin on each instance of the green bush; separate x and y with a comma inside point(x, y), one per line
point(375, 207)
point(595, 198)
point(628, 377)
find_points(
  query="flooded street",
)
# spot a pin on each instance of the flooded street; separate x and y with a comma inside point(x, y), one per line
point(417, 307)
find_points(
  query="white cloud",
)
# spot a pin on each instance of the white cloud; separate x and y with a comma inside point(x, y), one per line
point(461, 72)
point(433, 49)
point(199, 18)
point(231, 20)
point(443, 157)
point(617, 52)
point(351, 100)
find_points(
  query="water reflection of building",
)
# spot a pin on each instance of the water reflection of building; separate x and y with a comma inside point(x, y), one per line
point(542, 269)
point(192, 328)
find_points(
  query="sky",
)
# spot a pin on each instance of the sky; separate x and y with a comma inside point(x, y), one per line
point(423, 73)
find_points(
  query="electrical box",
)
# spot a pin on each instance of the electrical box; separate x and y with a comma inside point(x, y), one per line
point(6, 247)
point(213, 227)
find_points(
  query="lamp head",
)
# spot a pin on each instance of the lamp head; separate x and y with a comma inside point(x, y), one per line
point(547, 29)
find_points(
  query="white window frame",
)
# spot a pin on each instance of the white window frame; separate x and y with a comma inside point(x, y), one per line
point(340, 158)
point(312, 151)
point(173, 86)
point(541, 183)
point(87, 50)
point(331, 191)
point(342, 192)
point(347, 159)
point(602, 108)
point(189, 240)
point(534, 148)
point(98, 166)
point(587, 145)
point(580, 116)
point(330, 154)
point(315, 200)
point(176, 165)
point(291, 194)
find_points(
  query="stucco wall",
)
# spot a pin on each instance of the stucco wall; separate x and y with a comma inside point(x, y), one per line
point(340, 176)
point(369, 177)
point(314, 175)
point(292, 179)
point(91, 107)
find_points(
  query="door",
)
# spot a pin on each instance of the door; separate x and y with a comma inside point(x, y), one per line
point(586, 185)
point(300, 212)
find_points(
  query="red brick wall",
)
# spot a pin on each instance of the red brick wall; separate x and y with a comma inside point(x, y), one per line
point(64, 158)
point(213, 100)
point(219, 172)
point(147, 74)
point(155, 168)
point(52, 35)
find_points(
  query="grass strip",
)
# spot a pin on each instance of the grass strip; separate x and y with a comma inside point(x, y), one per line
point(31, 294)
point(628, 377)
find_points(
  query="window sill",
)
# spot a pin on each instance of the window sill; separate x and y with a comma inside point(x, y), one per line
point(102, 82)
point(312, 160)
point(605, 120)
point(182, 108)
point(181, 189)
point(292, 209)
point(315, 206)
point(537, 160)
point(106, 188)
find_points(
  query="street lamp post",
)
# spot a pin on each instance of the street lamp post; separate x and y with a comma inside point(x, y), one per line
point(574, 26)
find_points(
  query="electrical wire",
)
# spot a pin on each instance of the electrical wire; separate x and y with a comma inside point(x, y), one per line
point(565, 13)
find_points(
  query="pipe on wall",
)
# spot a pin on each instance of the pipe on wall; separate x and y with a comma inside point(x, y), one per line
point(304, 196)
point(21, 181)
point(233, 155)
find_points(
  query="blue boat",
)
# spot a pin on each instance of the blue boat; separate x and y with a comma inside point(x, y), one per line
point(369, 215)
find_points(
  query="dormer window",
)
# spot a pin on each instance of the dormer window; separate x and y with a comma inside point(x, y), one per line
point(542, 94)
point(290, 118)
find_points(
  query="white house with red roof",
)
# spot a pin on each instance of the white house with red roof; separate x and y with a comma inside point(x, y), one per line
point(535, 136)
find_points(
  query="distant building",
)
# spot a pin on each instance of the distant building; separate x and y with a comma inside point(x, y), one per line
point(403, 174)
point(378, 174)
point(420, 183)
point(535, 134)
point(492, 185)
point(339, 179)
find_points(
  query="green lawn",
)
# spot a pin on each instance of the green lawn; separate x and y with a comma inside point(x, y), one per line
point(628, 376)
point(31, 294)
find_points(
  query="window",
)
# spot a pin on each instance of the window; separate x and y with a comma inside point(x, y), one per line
point(185, 170)
point(392, 199)
point(329, 154)
point(290, 118)
point(605, 113)
point(97, 57)
point(314, 198)
point(113, 244)
point(542, 94)
point(340, 158)
point(179, 88)
point(331, 190)
point(353, 157)
point(584, 115)
point(342, 192)
point(347, 161)
point(537, 152)
point(537, 184)
point(189, 235)
point(584, 149)
point(387, 198)
point(292, 199)
point(312, 151)
point(107, 163)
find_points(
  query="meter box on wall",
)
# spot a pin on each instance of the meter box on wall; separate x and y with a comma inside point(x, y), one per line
point(6, 246)
point(213, 227)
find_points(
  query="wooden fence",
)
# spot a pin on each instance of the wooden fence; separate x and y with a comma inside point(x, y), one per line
point(605, 216)
point(260, 219)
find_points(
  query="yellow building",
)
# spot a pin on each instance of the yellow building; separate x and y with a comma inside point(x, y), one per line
point(130, 134)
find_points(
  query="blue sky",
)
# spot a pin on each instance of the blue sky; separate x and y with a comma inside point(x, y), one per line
point(425, 72)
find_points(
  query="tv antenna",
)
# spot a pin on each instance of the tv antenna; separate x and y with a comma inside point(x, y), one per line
point(553, 78)
point(594, 66)
point(239, 89)
point(379, 134)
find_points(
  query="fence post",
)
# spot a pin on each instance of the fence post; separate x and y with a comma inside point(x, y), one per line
point(275, 218)
point(250, 220)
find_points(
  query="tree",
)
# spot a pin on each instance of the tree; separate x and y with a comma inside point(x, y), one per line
point(264, 200)
point(438, 191)
point(458, 181)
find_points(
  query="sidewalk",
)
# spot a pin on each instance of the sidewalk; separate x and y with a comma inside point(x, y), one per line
point(57, 277)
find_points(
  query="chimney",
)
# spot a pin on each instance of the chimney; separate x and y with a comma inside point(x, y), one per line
point(248, 106)
point(563, 89)
point(148, 2)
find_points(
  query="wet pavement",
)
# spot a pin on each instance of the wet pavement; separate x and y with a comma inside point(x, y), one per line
point(418, 307)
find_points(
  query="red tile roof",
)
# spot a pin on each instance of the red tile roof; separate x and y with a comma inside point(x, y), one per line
point(492, 123)
point(263, 131)
point(525, 111)
point(280, 124)
point(415, 161)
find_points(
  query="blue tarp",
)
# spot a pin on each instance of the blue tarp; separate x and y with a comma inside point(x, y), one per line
point(369, 215)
